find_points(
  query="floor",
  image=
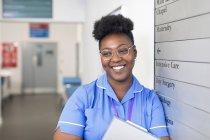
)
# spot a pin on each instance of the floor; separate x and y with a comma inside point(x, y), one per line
point(30, 117)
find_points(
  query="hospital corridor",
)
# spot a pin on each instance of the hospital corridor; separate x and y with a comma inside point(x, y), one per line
point(105, 51)
point(30, 117)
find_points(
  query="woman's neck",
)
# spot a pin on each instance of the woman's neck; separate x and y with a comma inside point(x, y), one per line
point(120, 88)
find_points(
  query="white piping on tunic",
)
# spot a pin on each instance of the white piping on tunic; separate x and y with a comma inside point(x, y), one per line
point(71, 123)
point(139, 90)
point(157, 127)
point(105, 88)
point(100, 86)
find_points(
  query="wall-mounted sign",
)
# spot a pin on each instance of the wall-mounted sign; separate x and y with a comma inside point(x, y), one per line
point(39, 30)
point(27, 8)
point(9, 55)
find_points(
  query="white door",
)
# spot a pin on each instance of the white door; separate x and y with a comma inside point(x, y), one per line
point(39, 67)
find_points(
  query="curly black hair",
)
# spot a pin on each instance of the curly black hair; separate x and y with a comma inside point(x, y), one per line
point(112, 24)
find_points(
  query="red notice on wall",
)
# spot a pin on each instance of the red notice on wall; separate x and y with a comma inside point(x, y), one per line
point(9, 55)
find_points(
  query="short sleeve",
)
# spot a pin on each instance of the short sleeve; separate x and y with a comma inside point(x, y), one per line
point(72, 119)
point(157, 124)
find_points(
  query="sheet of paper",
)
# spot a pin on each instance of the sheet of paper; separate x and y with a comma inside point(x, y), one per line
point(122, 130)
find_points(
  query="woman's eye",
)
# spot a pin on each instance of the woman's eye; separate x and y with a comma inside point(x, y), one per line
point(106, 53)
point(123, 51)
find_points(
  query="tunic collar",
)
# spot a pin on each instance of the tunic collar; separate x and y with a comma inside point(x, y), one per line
point(103, 83)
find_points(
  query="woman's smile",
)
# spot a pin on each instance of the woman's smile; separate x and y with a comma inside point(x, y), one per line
point(118, 68)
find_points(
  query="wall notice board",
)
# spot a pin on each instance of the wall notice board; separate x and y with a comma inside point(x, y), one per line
point(182, 66)
point(9, 55)
point(27, 8)
point(39, 30)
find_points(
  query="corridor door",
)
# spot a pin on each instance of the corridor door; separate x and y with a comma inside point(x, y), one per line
point(39, 67)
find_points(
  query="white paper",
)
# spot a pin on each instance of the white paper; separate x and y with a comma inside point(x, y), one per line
point(122, 130)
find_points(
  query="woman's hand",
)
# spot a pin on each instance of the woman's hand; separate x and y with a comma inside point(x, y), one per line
point(165, 138)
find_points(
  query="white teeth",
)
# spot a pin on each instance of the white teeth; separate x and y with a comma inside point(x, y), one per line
point(118, 67)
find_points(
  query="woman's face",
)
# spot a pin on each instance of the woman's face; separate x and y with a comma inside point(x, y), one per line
point(118, 68)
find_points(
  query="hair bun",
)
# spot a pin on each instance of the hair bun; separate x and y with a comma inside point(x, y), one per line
point(112, 24)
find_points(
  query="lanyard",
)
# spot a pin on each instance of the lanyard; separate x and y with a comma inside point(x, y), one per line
point(130, 108)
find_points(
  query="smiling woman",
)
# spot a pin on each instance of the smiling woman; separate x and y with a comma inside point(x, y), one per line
point(119, 67)
point(89, 111)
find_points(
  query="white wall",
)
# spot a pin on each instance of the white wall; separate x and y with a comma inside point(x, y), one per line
point(69, 10)
point(80, 44)
point(65, 34)
point(141, 12)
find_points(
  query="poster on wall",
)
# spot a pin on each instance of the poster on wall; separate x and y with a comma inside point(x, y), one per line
point(9, 55)
point(39, 30)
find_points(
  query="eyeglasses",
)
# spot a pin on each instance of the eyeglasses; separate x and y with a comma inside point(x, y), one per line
point(121, 51)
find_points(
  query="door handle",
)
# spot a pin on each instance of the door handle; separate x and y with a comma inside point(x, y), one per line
point(35, 60)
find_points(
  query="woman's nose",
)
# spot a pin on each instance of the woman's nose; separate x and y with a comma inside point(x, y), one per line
point(115, 56)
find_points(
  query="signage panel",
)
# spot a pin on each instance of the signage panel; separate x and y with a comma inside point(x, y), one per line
point(39, 30)
point(192, 28)
point(27, 8)
point(182, 66)
point(198, 50)
point(186, 93)
point(185, 112)
point(193, 73)
point(179, 131)
point(174, 10)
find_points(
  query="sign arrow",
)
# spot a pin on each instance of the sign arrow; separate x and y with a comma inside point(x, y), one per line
point(158, 50)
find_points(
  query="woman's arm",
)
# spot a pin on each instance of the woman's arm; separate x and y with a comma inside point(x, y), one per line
point(165, 138)
point(62, 136)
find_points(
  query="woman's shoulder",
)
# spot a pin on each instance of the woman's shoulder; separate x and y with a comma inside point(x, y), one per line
point(90, 86)
point(150, 99)
point(83, 95)
point(148, 91)
point(85, 89)
point(88, 93)
point(138, 87)
point(95, 85)
point(149, 94)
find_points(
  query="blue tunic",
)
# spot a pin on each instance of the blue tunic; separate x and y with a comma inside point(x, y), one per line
point(89, 111)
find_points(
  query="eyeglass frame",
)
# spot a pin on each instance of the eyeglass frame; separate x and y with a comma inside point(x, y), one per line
point(116, 51)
